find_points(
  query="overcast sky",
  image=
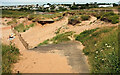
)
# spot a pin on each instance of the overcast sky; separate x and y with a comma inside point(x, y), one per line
point(86, 1)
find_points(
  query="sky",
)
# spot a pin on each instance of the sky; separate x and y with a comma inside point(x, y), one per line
point(86, 1)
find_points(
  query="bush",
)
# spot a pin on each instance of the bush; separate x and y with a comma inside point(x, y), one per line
point(109, 17)
point(85, 17)
point(74, 20)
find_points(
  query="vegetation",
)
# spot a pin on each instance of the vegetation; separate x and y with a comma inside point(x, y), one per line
point(101, 47)
point(43, 43)
point(55, 16)
point(74, 19)
point(108, 17)
point(85, 17)
point(22, 28)
point(62, 37)
point(9, 56)
point(58, 38)
point(14, 13)
point(14, 21)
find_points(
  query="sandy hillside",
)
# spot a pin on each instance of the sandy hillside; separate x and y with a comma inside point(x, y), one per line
point(40, 33)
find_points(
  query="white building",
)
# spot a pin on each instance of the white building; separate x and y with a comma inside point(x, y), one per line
point(46, 6)
point(105, 5)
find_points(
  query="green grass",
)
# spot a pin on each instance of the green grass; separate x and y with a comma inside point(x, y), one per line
point(83, 36)
point(63, 37)
point(22, 28)
point(9, 56)
point(101, 47)
point(43, 43)
point(111, 17)
point(85, 17)
point(36, 17)
point(74, 19)
point(14, 13)
point(14, 21)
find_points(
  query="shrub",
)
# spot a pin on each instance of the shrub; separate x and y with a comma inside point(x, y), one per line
point(74, 20)
point(85, 17)
point(110, 17)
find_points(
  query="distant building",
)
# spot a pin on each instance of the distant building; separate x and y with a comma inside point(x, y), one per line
point(46, 6)
point(105, 5)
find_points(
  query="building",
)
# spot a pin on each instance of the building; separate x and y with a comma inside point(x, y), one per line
point(105, 5)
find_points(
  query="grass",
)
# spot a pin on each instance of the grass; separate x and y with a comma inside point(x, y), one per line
point(74, 19)
point(58, 38)
point(43, 43)
point(14, 21)
point(101, 47)
point(85, 17)
point(81, 36)
point(22, 28)
point(37, 17)
point(62, 37)
point(9, 56)
point(14, 13)
point(110, 17)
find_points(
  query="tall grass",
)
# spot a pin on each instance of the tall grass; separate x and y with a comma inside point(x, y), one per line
point(101, 47)
point(9, 56)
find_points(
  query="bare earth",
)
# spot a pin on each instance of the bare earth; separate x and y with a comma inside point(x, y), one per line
point(55, 59)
